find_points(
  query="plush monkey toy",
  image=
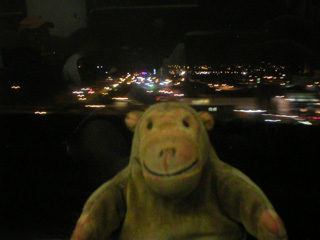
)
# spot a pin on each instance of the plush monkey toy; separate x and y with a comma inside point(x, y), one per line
point(176, 188)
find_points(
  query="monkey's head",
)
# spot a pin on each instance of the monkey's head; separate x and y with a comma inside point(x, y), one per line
point(171, 146)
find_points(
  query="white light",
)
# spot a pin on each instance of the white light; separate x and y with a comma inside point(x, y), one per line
point(95, 106)
point(250, 111)
point(77, 92)
point(272, 120)
point(178, 95)
point(85, 89)
point(305, 122)
point(15, 87)
point(120, 98)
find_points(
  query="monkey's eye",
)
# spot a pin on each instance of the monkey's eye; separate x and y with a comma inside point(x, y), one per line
point(150, 125)
point(185, 123)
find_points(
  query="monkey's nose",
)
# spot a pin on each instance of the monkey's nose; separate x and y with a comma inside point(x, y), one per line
point(168, 152)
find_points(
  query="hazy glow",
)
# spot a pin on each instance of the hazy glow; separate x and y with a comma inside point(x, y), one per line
point(95, 106)
point(212, 109)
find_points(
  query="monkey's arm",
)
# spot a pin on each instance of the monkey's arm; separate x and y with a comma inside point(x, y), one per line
point(103, 212)
point(245, 202)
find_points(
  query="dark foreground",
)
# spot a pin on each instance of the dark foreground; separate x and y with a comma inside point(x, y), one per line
point(50, 165)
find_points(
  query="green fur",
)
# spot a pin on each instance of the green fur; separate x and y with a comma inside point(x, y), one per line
point(220, 203)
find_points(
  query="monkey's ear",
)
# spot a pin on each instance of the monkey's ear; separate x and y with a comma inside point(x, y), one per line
point(207, 120)
point(132, 119)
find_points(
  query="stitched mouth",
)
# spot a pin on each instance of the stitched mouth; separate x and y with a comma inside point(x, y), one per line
point(172, 174)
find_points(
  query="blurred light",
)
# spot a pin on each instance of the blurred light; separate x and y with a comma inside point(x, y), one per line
point(77, 92)
point(40, 112)
point(120, 98)
point(178, 95)
point(272, 120)
point(82, 99)
point(305, 122)
point(212, 109)
point(250, 111)
point(290, 99)
point(15, 87)
point(115, 85)
point(80, 95)
point(200, 101)
point(154, 71)
point(144, 73)
point(303, 110)
point(279, 96)
point(85, 89)
point(95, 106)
